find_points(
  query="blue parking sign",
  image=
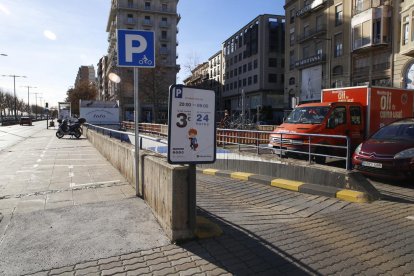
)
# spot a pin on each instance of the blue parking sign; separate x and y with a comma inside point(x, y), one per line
point(136, 48)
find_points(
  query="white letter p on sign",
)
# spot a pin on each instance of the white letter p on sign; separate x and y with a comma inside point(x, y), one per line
point(130, 49)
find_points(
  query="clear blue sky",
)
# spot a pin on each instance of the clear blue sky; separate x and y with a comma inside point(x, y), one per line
point(47, 40)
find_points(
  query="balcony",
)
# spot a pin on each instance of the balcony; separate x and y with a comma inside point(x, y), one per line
point(147, 22)
point(164, 51)
point(310, 34)
point(165, 38)
point(366, 43)
point(368, 4)
point(141, 8)
point(164, 24)
point(130, 21)
point(308, 9)
point(310, 61)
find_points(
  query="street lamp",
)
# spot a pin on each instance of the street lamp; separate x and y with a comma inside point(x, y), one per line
point(36, 105)
point(28, 97)
point(14, 88)
point(328, 56)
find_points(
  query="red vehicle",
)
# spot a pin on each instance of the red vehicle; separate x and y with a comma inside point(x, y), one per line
point(355, 112)
point(388, 153)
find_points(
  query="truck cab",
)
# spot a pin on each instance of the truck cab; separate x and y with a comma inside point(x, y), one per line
point(327, 118)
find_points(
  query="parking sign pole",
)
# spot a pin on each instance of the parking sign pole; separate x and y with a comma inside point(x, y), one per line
point(136, 118)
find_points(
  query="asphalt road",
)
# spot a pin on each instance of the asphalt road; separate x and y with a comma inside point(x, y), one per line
point(11, 135)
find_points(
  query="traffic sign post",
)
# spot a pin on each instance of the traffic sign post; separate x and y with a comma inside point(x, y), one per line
point(191, 126)
point(136, 49)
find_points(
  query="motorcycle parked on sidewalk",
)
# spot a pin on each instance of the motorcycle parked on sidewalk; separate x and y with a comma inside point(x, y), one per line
point(65, 128)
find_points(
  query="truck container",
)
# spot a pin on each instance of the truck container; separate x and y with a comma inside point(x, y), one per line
point(355, 112)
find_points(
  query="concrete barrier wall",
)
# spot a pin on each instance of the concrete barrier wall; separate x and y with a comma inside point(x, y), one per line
point(300, 171)
point(166, 188)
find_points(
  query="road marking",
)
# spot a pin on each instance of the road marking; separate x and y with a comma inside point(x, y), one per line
point(410, 217)
point(71, 174)
point(70, 167)
point(35, 165)
point(39, 160)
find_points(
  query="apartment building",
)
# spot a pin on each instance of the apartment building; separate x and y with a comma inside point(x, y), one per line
point(199, 77)
point(101, 80)
point(159, 16)
point(215, 77)
point(253, 67)
point(317, 48)
point(338, 43)
point(85, 74)
point(404, 56)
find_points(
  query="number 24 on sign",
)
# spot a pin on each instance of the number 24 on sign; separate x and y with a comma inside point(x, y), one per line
point(183, 119)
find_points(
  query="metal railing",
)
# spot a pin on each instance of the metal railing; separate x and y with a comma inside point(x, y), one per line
point(248, 141)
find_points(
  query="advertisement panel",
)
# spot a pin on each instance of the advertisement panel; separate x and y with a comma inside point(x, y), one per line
point(351, 94)
point(191, 126)
point(311, 84)
point(389, 105)
point(99, 112)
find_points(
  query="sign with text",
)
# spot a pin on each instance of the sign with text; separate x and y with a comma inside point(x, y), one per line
point(136, 48)
point(191, 126)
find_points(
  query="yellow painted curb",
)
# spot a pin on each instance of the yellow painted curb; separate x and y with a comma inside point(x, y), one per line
point(352, 196)
point(286, 184)
point(206, 229)
point(210, 171)
point(241, 175)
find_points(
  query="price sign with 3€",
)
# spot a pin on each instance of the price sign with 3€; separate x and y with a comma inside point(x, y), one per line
point(191, 126)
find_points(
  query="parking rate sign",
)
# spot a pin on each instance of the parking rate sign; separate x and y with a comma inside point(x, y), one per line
point(136, 48)
point(191, 126)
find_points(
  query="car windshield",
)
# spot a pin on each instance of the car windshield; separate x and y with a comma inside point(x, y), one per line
point(399, 131)
point(307, 115)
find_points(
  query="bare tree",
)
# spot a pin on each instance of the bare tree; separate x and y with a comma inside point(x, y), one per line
point(193, 60)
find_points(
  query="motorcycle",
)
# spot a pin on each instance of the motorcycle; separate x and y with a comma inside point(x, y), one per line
point(65, 128)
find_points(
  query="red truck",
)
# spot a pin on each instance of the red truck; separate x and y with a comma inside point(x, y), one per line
point(356, 112)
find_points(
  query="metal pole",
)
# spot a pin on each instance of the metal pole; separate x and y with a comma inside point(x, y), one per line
point(136, 118)
point(15, 100)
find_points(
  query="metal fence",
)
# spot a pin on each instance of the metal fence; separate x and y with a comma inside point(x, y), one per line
point(241, 141)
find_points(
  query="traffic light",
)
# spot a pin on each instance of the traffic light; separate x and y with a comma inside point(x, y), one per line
point(47, 105)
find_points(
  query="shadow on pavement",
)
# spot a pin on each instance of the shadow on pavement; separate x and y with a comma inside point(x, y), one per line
point(241, 252)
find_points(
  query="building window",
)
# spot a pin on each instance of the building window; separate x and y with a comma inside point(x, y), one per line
point(249, 81)
point(164, 34)
point(147, 5)
point(255, 64)
point(130, 19)
point(240, 70)
point(164, 7)
point(272, 62)
point(244, 82)
point(338, 15)
point(292, 16)
point(292, 37)
point(319, 23)
point(306, 31)
point(255, 79)
point(249, 66)
point(291, 59)
point(240, 83)
point(338, 43)
point(338, 70)
point(272, 78)
point(235, 72)
point(235, 59)
point(292, 81)
point(319, 48)
point(147, 20)
point(130, 3)
point(244, 68)
point(406, 30)
point(305, 52)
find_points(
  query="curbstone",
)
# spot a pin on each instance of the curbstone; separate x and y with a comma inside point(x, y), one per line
point(292, 185)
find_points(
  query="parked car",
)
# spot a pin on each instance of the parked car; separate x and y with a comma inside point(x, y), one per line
point(25, 121)
point(389, 152)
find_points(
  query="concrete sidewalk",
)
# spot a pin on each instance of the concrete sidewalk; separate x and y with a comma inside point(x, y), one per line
point(67, 211)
